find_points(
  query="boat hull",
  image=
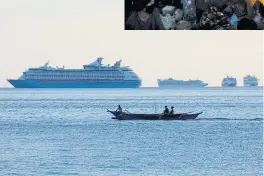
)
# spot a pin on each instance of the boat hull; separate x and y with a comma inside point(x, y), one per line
point(72, 84)
point(182, 86)
point(251, 85)
point(131, 116)
point(229, 85)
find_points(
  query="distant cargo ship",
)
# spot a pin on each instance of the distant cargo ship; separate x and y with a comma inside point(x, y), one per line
point(180, 83)
point(229, 82)
point(250, 81)
point(93, 75)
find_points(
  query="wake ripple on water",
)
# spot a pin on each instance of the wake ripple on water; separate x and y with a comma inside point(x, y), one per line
point(228, 119)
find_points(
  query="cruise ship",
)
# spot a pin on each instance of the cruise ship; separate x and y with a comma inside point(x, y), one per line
point(250, 81)
point(229, 82)
point(93, 75)
point(180, 83)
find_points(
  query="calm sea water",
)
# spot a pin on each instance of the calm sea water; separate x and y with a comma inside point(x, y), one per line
point(69, 132)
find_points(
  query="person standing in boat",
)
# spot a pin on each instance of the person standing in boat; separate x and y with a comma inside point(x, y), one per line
point(166, 110)
point(172, 111)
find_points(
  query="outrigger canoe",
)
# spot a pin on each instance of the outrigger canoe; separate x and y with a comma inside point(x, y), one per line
point(133, 116)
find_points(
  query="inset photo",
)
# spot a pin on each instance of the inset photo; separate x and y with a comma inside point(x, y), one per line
point(194, 15)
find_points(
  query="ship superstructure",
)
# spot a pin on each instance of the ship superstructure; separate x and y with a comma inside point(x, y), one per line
point(250, 81)
point(93, 75)
point(229, 82)
point(180, 83)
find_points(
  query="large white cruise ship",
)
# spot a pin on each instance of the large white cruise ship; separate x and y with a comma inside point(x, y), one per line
point(250, 81)
point(93, 75)
point(229, 82)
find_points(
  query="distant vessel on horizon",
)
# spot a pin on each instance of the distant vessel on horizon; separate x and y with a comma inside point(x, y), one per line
point(250, 81)
point(229, 82)
point(180, 83)
point(93, 75)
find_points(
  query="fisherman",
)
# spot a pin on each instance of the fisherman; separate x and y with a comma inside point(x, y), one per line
point(166, 110)
point(172, 111)
point(119, 109)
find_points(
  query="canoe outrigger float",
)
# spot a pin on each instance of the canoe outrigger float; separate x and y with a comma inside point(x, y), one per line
point(133, 116)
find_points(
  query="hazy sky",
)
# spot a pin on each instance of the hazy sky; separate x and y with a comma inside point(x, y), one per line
point(74, 33)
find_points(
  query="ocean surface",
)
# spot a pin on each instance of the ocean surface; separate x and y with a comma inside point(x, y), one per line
point(69, 132)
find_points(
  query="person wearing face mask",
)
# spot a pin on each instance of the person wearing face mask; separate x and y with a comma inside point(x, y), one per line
point(145, 17)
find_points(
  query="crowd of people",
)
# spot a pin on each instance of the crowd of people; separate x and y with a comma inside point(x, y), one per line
point(194, 14)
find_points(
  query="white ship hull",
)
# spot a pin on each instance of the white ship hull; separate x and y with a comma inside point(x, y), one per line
point(182, 86)
point(251, 85)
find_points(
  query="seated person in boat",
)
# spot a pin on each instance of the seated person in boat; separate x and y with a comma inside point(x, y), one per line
point(172, 111)
point(166, 110)
point(119, 109)
point(145, 17)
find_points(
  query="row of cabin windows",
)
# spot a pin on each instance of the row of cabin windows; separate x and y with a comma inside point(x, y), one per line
point(75, 78)
point(72, 76)
point(89, 75)
point(69, 75)
point(78, 73)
